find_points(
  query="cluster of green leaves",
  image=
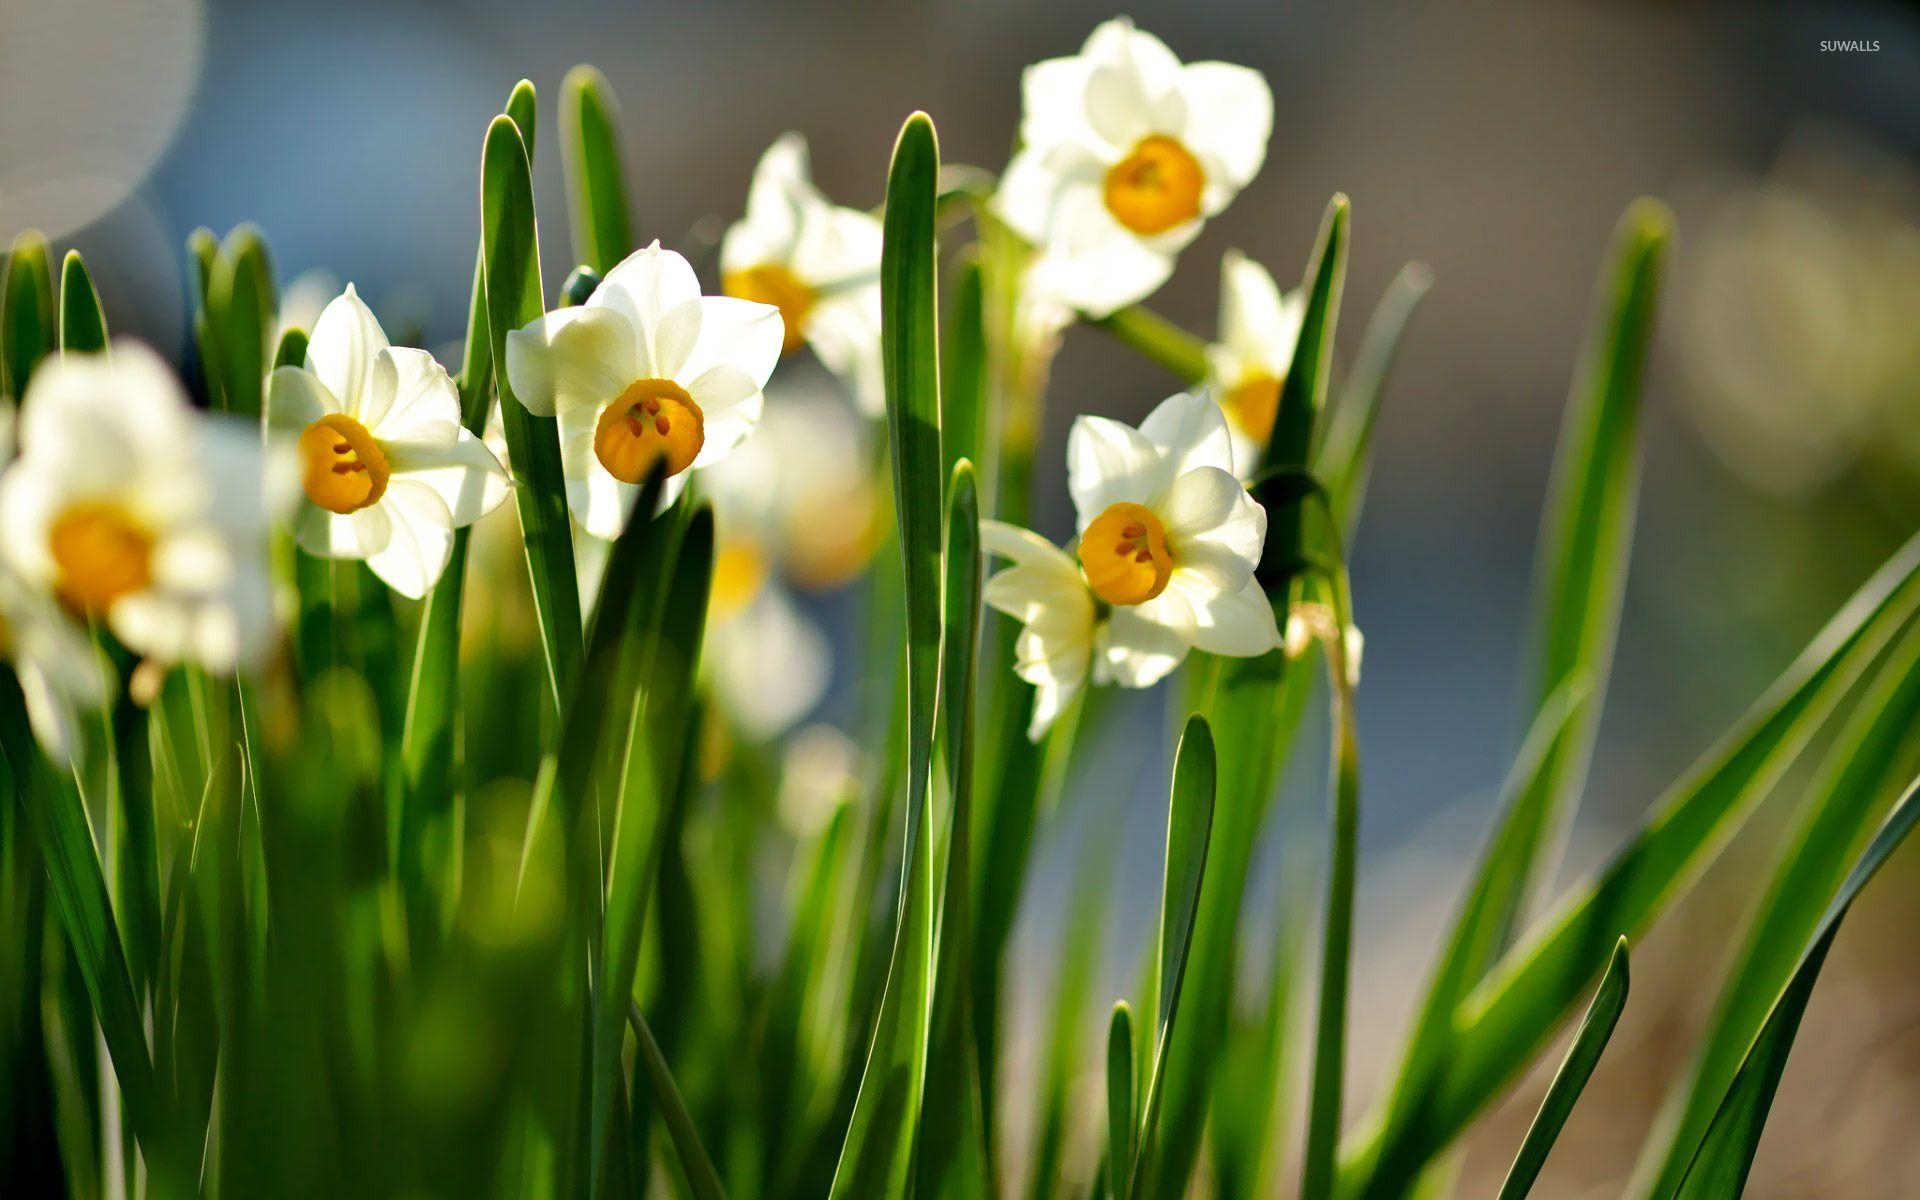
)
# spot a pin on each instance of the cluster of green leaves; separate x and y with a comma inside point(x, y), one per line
point(412, 917)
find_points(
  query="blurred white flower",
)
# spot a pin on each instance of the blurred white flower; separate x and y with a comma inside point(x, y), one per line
point(646, 371)
point(136, 510)
point(796, 506)
point(387, 470)
point(1168, 536)
point(1246, 368)
point(818, 263)
point(305, 297)
point(819, 775)
point(1124, 153)
point(60, 671)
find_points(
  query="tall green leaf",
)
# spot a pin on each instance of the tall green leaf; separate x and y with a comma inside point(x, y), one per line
point(1120, 1077)
point(241, 303)
point(1858, 780)
point(1326, 1086)
point(596, 188)
point(1345, 460)
point(952, 1159)
point(695, 1163)
point(1587, 532)
point(1506, 1020)
point(514, 299)
point(83, 324)
point(27, 333)
point(877, 1155)
point(1252, 707)
point(1719, 1169)
point(1596, 1028)
point(1189, 829)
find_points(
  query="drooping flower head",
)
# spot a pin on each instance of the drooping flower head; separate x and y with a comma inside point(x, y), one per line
point(1124, 153)
point(647, 371)
point(135, 510)
point(817, 262)
point(1247, 366)
point(387, 471)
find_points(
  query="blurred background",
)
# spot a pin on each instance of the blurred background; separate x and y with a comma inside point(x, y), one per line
point(1496, 140)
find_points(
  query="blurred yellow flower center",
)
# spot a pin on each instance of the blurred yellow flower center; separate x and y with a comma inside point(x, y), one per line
point(1252, 404)
point(1156, 187)
point(653, 421)
point(771, 283)
point(101, 554)
point(341, 466)
point(1124, 554)
point(739, 572)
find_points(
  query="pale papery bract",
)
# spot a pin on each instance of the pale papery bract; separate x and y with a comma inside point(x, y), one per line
point(437, 476)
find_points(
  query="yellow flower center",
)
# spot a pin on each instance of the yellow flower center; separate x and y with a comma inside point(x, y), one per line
point(100, 554)
point(771, 283)
point(654, 420)
point(739, 572)
point(1156, 187)
point(342, 467)
point(1124, 554)
point(1252, 404)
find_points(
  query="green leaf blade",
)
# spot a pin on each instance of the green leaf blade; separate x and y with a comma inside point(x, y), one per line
point(83, 323)
point(596, 186)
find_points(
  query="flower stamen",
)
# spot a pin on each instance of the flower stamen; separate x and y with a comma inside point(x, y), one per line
point(1156, 187)
point(342, 467)
point(771, 283)
point(1124, 555)
point(101, 553)
point(654, 420)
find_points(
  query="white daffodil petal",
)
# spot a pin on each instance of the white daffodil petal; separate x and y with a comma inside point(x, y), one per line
point(601, 503)
point(1214, 528)
point(672, 338)
point(1191, 433)
point(422, 540)
point(573, 357)
point(426, 406)
point(296, 399)
point(1238, 624)
point(845, 332)
point(1258, 325)
point(345, 346)
point(1229, 117)
point(1137, 652)
point(1109, 462)
point(356, 535)
point(645, 286)
point(1027, 594)
point(465, 474)
point(736, 333)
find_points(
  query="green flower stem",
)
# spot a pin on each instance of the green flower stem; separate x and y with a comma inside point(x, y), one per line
point(1158, 340)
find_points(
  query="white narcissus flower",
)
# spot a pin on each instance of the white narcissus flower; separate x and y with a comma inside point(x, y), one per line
point(137, 511)
point(797, 506)
point(1124, 153)
point(1067, 633)
point(817, 262)
point(1246, 368)
point(60, 671)
point(647, 371)
point(1168, 535)
point(387, 471)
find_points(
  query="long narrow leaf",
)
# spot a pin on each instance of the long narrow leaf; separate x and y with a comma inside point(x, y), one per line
point(1120, 1077)
point(1345, 460)
point(1503, 1024)
point(1719, 1170)
point(697, 1165)
point(1857, 782)
point(877, 1155)
point(590, 149)
point(952, 1159)
point(83, 324)
point(514, 299)
point(27, 332)
point(1189, 832)
point(1596, 1029)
